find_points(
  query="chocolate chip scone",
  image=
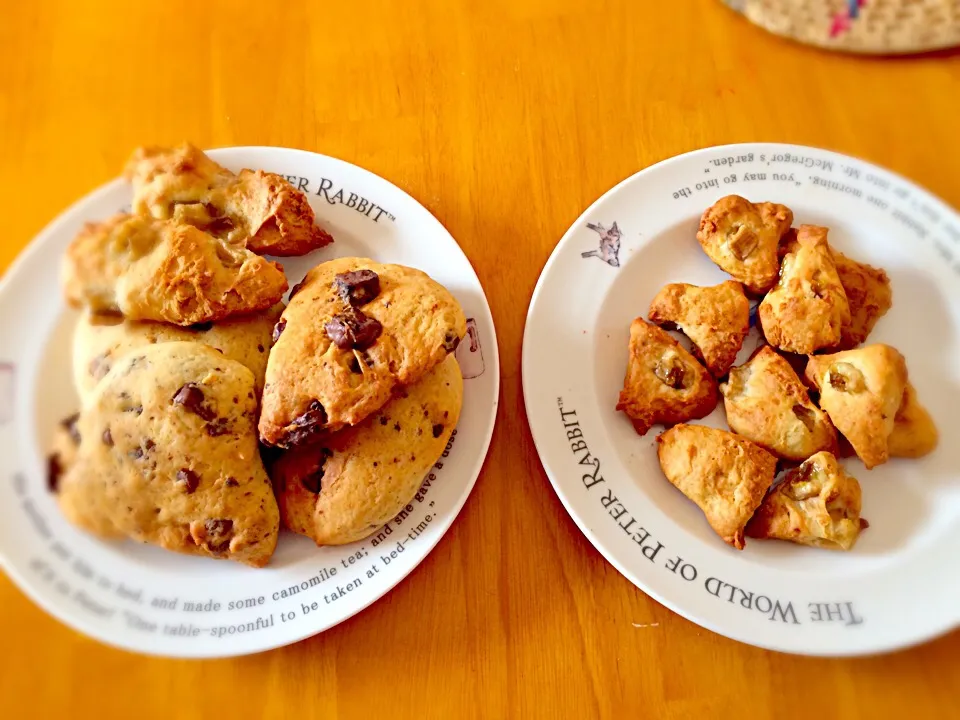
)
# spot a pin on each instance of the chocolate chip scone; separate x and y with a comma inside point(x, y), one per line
point(149, 269)
point(354, 330)
point(101, 340)
point(168, 455)
point(346, 488)
point(255, 209)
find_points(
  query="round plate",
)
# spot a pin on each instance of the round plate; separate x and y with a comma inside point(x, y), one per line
point(142, 598)
point(899, 585)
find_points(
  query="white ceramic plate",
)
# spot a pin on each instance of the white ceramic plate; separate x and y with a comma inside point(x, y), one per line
point(144, 599)
point(900, 585)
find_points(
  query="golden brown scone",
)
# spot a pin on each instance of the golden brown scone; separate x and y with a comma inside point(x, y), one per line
point(354, 330)
point(808, 308)
point(161, 270)
point(861, 390)
point(255, 209)
point(817, 504)
point(716, 319)
point(724, 474)
point(664, 383)
point(168, 455)
point(768, 404)
point(914, 432)
point(101, 340)
point(359, 478)
point(742, 238)
point(868, 291)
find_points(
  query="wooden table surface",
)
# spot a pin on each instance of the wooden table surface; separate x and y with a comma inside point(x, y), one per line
point(505, 118)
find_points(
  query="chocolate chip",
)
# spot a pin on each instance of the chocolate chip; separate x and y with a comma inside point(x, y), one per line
point(308, 424)
point(149, 444)
point(355, 366)
point(220, 426)
point(396, 426)
point(358, 287)
point(100, 366)
point(54, 472)
point(70, 425)
point(107, 438)
point(313, 481)
point(218, 534)
point(231, 482)
point(260, 347)
point(189, 479)
point(136, 453)
point(296, 288)
point(384, 419)
point(191, 397)
point(451, 341)
point(137, 409)
point(200, 327)
point(352, 330)
point(278, 329)
point(437, 430)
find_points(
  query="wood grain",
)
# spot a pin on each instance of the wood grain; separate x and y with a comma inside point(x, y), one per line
point(505, 118)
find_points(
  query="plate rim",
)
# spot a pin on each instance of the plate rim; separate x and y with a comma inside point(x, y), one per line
point(566, 500)
point(207, 650)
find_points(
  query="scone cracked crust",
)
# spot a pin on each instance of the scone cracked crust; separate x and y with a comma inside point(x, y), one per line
point(101, 340)
point(724, 474)
point(255, 209)
point(716, 319)
point(168, 455)
point(354, 330)
point(147, 269)
point(817, 504)
point(861, 390)
point(867, 288)
point(664, 383)
point(346, 488)
point(742, 238)
point(808, 308)
point(767, 403)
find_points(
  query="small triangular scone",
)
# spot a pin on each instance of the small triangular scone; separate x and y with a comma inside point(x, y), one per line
point(354, 331)
point(817, 504)
point(716, 319)
point(664, 383)
point(861, 390)
point(101, 340)
point(867, 288)
point(724, 474)
point(255, 209)
point(768, 404)
point(808, 308)
point(742, 238)
point(168, 455)
point(914, 432)
point(359, 478)
point(148, 269)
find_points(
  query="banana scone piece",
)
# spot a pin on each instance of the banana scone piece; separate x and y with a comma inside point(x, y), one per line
point(147, 269)
point(664, 383)
point(716, 319)
point(168, 455)
point(808, 308)
point(861, 390)
point(724, 474)
point(817, 504)
point(354, 330)
point(914, 433)
point(357, 479)
point(867, 288)
point(742, 239)
point(767, 403)
point(257, 210)
point(101, 340)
